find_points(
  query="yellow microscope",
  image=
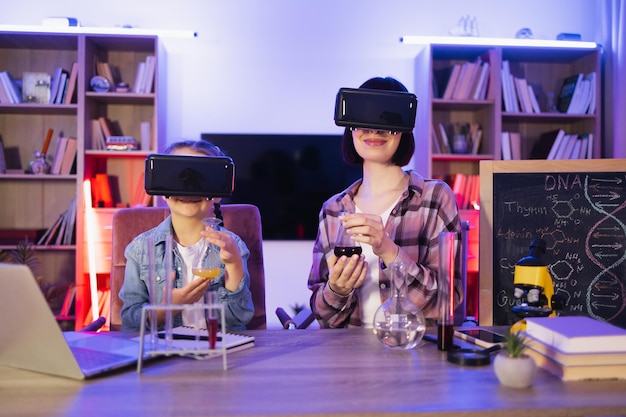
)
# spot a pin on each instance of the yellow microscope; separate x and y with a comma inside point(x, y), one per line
point(533, 285)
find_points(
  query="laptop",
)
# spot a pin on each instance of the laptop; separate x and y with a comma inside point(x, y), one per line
point(30, 337)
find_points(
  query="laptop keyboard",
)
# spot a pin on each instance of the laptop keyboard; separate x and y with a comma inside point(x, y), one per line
point(93, 359)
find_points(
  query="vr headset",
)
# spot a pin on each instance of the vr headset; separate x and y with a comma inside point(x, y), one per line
point(376, 109)
point(189, 175)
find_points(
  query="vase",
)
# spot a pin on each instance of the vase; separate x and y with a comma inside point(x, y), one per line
point(514, 372)
point(398, 322)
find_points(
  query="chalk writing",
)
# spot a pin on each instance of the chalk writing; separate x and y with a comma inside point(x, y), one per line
point(582, 218)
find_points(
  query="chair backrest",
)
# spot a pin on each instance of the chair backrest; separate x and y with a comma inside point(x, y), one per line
point(242, 219)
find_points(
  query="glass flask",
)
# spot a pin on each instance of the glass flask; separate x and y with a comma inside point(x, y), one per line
point(398, 323)
point(344, 244)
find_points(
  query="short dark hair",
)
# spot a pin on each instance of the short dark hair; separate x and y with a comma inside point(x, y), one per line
point(407, 140)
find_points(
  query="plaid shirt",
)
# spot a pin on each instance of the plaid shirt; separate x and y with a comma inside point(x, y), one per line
point(425, 209)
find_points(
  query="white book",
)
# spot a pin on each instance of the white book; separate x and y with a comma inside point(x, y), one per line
point(146, 136)
point(589, 145)
point(521, 89)
point(516, 145)
point(533, 99)
point(577, 334)
point(592, 103)
point(54, 88)
point(506, 146)
point(557, 143)
point(480, 89)
point(139, 77)
point(9, 87)
point(574, 103)
point(149, 74)
point(565, 150)
point(582, 153)
point(575, 148)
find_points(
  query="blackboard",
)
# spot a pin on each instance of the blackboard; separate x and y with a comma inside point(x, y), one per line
point(581, 214)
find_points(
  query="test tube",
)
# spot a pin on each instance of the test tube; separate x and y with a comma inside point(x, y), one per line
point(211, 317)
point(152, 294)
point(168, 291)
point(445, 291)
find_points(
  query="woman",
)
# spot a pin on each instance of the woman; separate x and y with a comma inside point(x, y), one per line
point(185, 226)
point(396, 216)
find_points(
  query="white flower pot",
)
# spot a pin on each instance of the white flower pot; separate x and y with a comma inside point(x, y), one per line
point(514, 372)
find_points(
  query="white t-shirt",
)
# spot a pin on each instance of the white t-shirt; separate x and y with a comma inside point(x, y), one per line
point(369, 293)
point(188, 255)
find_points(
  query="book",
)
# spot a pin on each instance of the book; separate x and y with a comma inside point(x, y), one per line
point(72, 79)
point(185, 337)
point(506, 146)
point(3, 162)
point(62, 89)
point(593, 94)
point(68, 156)
point(577, 334)
point(13, 92)
point(574, 359)
point(466, 79)
point(59, 151)
point(454, 75)
point(577, 372)
point(149, 75)
point(566, 96)
point(544, 145)
point(54, 87)
point(516, 145)
point(480, 88)
point(533, 99)
point(523, 98)
point(558, 142)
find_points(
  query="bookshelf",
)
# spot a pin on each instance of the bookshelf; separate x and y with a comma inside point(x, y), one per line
point(32, 203)
point(542, 66)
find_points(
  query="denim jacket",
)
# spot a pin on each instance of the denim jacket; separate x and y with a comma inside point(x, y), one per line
point(238, 304)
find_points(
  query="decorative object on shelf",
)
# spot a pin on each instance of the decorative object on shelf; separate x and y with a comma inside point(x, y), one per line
point(398, 323)
point(513, 367)
point(36, 87)
point(99, 84)
point(39, 164)
point(524, 33)
point(466, 26)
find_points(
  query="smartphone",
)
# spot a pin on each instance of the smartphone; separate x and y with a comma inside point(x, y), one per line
point(189, 175)
point(376, 109)
point(481, 337)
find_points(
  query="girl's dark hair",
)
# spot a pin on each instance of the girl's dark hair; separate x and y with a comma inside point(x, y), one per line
point(407, 140)
point(204, 147)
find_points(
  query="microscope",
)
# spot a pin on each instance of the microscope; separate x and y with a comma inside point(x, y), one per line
point(533, 285)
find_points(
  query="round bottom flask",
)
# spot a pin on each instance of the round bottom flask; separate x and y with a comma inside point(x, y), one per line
point(398, 323)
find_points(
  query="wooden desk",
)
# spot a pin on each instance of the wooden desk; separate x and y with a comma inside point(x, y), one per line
point(307, 372)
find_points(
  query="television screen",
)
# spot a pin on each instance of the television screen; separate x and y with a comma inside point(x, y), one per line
point(287, 176)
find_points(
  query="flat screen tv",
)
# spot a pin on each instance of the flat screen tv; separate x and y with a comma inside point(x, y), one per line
point(287, 176)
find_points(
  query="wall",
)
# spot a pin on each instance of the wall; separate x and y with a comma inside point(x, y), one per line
point(274, 66)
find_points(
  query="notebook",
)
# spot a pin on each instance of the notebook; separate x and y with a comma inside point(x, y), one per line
point(187, 337)
point(30, 337)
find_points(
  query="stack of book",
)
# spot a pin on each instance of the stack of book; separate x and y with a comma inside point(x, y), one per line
point(577, 348)
point(63, 231)
point(518, 96)
point(578, 94)
point(466, 81)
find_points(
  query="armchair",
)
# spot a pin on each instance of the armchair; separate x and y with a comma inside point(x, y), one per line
point(242, 219)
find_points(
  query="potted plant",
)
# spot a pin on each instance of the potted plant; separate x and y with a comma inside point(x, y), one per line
point(512, 366)
point(24, 253)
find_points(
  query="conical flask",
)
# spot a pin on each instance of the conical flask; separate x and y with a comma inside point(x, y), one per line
point(398, 323)
point(344, 244)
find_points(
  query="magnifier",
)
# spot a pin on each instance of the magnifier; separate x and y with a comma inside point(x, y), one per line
point(472, 357)
point(466, 356)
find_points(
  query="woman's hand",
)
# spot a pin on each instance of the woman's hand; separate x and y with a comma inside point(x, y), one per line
point(369, 228)
point(346, 274)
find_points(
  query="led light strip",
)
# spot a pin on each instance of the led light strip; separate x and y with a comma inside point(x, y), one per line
point(472, 40)
point(165, 33)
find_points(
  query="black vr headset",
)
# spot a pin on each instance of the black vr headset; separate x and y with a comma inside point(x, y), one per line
point(189, 175)
point(376, 109)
